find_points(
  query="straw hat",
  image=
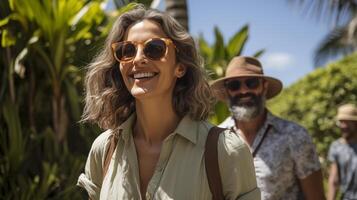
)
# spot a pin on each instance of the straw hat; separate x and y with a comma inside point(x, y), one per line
point(242, 66)
point(347, 112)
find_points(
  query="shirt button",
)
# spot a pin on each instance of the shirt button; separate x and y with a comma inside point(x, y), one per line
point(147, 197)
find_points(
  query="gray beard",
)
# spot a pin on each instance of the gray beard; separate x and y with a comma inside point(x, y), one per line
point(244, 113)
point(247, 113)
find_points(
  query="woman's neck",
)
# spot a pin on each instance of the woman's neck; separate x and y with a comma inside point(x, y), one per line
point(155, 120)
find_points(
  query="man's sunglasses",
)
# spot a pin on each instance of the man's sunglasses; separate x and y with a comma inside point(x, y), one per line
point(236, 84)
point(154, 49)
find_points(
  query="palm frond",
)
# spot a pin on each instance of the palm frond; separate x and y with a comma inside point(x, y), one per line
point(334, 44)
point(219, 51)
point(335, 11)
point(237, 42)
point(259, 53)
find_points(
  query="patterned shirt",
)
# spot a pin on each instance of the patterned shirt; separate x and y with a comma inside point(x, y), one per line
point(180, 171)
point(345, 156)
point(286, 155)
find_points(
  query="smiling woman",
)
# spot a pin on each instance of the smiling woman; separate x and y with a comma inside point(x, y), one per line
point(105, 87)
point(148, 89)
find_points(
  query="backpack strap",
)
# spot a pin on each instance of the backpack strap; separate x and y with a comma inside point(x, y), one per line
point(211, 163)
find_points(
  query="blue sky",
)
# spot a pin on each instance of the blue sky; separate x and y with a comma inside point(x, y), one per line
point(288, 36)
point(280, 28)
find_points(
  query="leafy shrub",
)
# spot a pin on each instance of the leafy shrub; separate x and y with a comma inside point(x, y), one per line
point(44, 46)
point(313, 100)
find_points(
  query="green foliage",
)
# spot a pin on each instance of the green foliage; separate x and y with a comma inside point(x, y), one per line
point(42, 146)
point(14, 150)
point(41, 38)
point(313, 100)
point(217, 57)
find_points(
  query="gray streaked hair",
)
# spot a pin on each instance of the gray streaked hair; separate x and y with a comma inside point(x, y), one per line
point(107, 100)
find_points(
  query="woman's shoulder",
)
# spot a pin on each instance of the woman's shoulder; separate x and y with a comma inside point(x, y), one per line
point(100, 143)
point(228, 140)
point(236, 167)
point(230, 143)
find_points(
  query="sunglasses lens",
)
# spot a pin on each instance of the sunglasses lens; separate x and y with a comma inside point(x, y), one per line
point(155, 49)
point(233, 85)
point(125, 51)
point(252, 83)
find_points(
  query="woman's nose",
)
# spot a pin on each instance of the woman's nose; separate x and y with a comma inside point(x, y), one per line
point(140, 57)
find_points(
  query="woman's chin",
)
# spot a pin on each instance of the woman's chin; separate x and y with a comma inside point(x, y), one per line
point(138, 92)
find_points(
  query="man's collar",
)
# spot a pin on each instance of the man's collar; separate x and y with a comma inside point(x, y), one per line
point(270, 118)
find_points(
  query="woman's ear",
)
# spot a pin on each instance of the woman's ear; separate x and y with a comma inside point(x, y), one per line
point(180, 70)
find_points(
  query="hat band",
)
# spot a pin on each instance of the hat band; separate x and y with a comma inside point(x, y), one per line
point(242, 71)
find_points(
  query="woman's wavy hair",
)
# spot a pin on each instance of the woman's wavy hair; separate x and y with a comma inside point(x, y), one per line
point(107, 100)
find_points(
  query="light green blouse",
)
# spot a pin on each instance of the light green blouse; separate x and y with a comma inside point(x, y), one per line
point(180, 172)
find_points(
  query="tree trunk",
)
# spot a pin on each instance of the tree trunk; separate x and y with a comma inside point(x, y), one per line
point(31, 96)
point(11, 75)
point(60, 118)
point(178, 10)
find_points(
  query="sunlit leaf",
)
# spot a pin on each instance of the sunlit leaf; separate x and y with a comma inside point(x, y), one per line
point(258, 53)
point(4, 21)
point(236, 43)
point(205, 49)
point(219, 52)
point(7, 39)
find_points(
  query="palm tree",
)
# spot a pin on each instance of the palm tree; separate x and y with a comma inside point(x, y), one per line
point(122, 3)
point(342, 39)
point(178, 10)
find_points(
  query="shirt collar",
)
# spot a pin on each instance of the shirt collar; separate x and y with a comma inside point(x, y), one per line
point(186, 128)
point(126, 127)
point(270, 120)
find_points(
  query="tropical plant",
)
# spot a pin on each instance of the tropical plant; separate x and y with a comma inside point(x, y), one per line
point(342, 39)
point(217, 57)
point(313, 100)
point(44, 45)
point(51, 32)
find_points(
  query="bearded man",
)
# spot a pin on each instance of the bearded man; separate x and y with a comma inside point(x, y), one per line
point(286, 163)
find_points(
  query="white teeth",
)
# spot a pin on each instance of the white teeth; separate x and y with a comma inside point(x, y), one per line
point(144, 75)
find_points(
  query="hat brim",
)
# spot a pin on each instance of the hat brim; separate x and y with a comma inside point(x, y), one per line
point(274, 87)
point(346, 117)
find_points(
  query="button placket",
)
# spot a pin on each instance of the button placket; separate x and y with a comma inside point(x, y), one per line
point(160, 166)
